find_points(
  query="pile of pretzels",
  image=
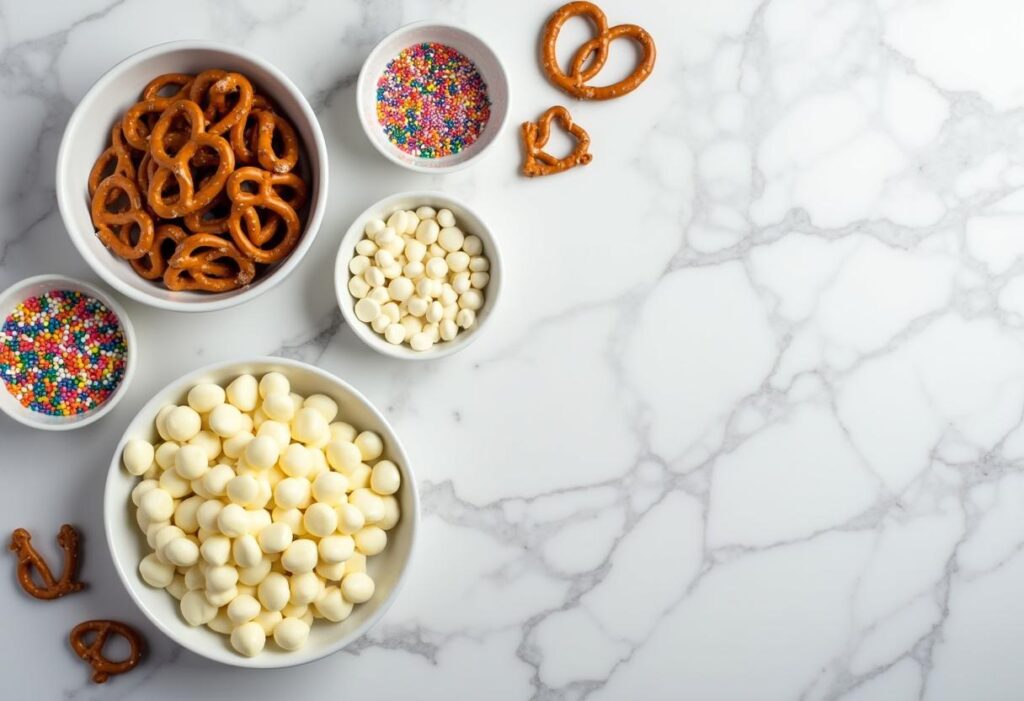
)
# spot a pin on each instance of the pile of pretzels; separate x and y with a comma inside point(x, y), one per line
point(199, 188)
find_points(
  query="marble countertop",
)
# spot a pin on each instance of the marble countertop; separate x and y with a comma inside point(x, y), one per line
point(748, 424)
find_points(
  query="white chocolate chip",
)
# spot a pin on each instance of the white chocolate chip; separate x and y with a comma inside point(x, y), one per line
point(357, 587)
point(243, 609)
point(216, 550)
point(182, 423)
point(436, 268)
point(205, 396)
point(138, 456)
point(358, 287)
point(274, 383)
point(394, 334)
point(291, 633)
point(427, 232)
point(157, 504)
point(155, 573)
point(472, 245)
point(232, 521)
point(191, 462)
point(421, 341)
point(249, 639)
point(243, 392)
point(320, 520)
point(445, 217)
point(367, 310)
point(450, 238)
point(195, 609)
point(305, 587)
point(300, 556)
point(385, 478)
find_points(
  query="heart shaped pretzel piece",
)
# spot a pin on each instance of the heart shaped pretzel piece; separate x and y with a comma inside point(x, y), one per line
point(535, 137)
point(596, 51)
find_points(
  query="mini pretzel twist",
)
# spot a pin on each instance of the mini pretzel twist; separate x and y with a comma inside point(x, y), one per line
point(177, 165)
point(133, 124)
point(267, 125)
point(165, 240)
point(114, 227)
point(244, 223)
point(92, 652)
point(245, 133)
point(535, 137)
point(212, 87)
point(200, 254)
point(29, 560)
point(182, 81)
point(596, 51)
point(117, 159)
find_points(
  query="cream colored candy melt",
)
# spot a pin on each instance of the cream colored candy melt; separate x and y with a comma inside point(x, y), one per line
point(424, 268)
point(259, 505)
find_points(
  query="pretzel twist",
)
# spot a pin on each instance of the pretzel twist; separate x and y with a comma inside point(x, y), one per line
point(133, 124)
point(244, 223)
point(245, 132)
point(200, 256)
point(267, 125)
point(536, 135)
point(153, 264)
point(176, 165)
point(114, 227)
point(595, 51)
point(212, 87)
point(182, 81)
point(29, 560)
point(92, 652)
point(117, 159)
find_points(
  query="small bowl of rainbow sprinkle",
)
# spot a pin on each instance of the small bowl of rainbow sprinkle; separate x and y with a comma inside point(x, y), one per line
point(432, 97)
point(67, 352)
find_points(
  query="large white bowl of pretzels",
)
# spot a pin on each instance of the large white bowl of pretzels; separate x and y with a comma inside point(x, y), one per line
point(192, 176)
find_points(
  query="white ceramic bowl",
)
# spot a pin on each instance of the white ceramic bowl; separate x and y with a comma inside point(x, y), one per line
point(88, 133)
point(469, 221)
point(470, 45)
point(41, 284)
point(128, 545)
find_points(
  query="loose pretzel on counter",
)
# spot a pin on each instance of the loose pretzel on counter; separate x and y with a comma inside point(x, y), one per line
point(92, 652)
point(594, 50)
point(535, 137)
point(29, 560)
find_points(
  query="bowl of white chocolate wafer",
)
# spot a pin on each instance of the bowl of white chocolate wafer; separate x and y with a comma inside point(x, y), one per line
point(261, 513)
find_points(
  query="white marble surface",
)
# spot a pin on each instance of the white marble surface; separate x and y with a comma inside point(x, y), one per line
point(749, 424)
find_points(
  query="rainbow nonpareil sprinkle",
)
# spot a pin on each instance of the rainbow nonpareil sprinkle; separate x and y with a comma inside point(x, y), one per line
point(62, 353)
point(431, 101)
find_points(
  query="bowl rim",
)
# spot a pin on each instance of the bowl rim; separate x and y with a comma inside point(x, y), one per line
point(342, 275)
point(414, 165)
point(110, 524)
point(214, 302)
point(55, 280)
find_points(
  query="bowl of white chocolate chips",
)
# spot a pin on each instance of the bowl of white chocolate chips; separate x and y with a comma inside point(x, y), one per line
point(261, 513)
point(418, 275)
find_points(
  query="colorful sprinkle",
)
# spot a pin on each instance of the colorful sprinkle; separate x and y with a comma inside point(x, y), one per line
point(62, 353)
point(431, 101)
